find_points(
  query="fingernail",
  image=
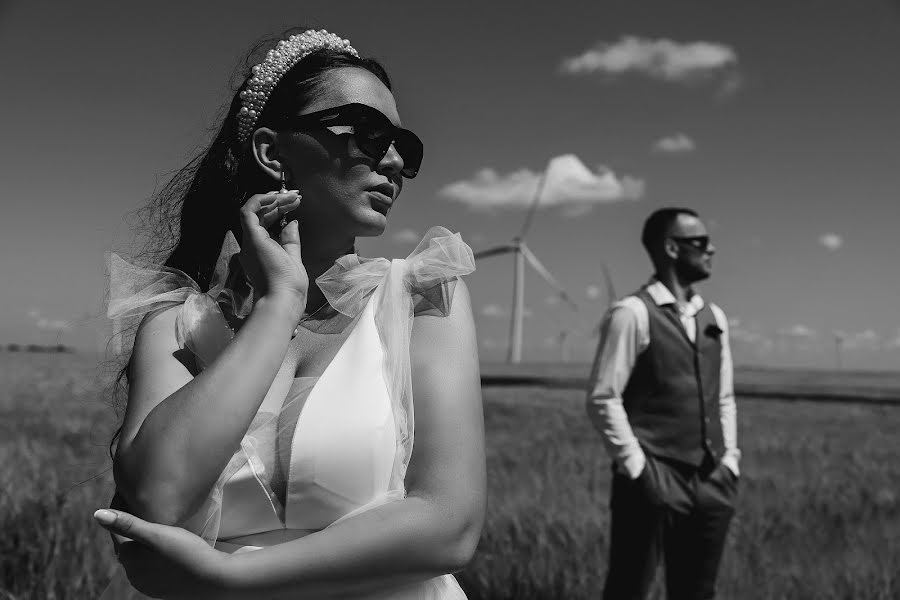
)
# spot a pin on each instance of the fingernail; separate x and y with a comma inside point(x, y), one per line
point(105, 517)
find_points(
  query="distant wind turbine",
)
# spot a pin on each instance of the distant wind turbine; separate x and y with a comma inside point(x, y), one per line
point(611, 296)
point(522, 253)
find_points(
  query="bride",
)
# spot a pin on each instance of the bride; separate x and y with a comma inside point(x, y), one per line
point(277, 380)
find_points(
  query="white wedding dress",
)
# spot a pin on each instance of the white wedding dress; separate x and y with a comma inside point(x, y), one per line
point(332, 446)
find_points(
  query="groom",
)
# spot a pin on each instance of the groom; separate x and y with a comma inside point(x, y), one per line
point(661, 397)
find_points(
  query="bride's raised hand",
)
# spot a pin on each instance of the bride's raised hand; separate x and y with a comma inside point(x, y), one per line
point(270, 254)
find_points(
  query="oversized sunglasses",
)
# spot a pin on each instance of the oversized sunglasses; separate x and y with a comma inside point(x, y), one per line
point(699, 242)
point(372, 130)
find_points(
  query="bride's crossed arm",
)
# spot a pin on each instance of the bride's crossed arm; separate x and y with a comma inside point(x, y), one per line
point(180, 431)
point(434, 530)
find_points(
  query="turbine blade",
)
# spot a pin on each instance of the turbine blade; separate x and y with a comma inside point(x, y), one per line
point(543, 272)
point(536, 199)
point(610, 290)
point(502, 249)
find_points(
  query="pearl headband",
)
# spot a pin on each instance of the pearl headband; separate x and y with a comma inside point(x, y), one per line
point(279, 61)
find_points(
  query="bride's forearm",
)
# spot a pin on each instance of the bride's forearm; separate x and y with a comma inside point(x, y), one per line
point(186, 440)
point(397, 544)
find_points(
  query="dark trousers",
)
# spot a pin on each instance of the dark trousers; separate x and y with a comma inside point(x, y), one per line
point(674, 511)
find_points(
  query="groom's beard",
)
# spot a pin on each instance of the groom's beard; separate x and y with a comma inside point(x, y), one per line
point(689, 272)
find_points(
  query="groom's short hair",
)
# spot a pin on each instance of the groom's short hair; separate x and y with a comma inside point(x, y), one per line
point(657, 226)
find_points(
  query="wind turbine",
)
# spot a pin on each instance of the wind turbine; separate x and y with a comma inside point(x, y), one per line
point(611, 297)
point(521, 253)
point(838, 346)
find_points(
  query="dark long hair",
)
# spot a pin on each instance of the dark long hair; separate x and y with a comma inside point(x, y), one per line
point(187, 219)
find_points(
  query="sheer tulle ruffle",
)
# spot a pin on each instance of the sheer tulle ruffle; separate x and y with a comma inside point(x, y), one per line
point(201, 325)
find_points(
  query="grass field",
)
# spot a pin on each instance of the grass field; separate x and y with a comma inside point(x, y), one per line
point(818, 515)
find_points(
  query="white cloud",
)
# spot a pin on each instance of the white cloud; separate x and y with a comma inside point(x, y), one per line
point(53, 324)
point(731, 83)
point(797, 331)
point(496, 311)
point(675, 144)
point(738, 334)
point(832, 241)
point(492, 310)
point(748, 335)
point(42, 322)
point(862, 340)
point(593, 291)
point(661, 59)
point(573, 211)
point(407, 236)
point(569, 184)
point(553, 300)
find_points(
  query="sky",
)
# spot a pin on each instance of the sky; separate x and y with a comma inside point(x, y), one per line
point(776, 121)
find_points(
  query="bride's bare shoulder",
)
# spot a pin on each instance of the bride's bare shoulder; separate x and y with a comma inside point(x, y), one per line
point(156, 340)
point(436, 335)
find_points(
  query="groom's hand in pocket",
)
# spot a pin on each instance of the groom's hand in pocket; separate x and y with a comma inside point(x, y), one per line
point(722, 487)
point(649, 482)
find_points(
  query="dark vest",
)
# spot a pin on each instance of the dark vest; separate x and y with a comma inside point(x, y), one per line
point(672, 396)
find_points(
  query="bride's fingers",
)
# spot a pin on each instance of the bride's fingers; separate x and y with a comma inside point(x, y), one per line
point(290, 241)
point(272, 214)
point(250, 220)
point(129, 526)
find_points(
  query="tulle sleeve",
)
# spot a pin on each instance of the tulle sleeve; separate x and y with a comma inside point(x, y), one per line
point(201, 325)
point(433, 269)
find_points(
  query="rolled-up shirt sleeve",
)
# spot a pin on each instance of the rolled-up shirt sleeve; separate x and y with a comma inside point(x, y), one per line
point(727, 403)
point(620, 343)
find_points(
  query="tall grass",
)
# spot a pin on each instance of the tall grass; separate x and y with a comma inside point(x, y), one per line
point(818, 514)
point(54, 424)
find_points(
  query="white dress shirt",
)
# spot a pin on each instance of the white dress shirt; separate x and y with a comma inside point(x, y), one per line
point(624, 335)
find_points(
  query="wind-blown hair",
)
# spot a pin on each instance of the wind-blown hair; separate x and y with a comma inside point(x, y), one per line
point(187, 219)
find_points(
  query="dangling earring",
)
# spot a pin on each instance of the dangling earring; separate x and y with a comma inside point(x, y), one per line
point(283, 190)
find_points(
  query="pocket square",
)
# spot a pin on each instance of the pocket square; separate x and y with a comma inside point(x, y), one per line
point(713, 330)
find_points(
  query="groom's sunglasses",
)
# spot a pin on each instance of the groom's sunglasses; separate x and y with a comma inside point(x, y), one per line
point(372, 130)
point(699, 242)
